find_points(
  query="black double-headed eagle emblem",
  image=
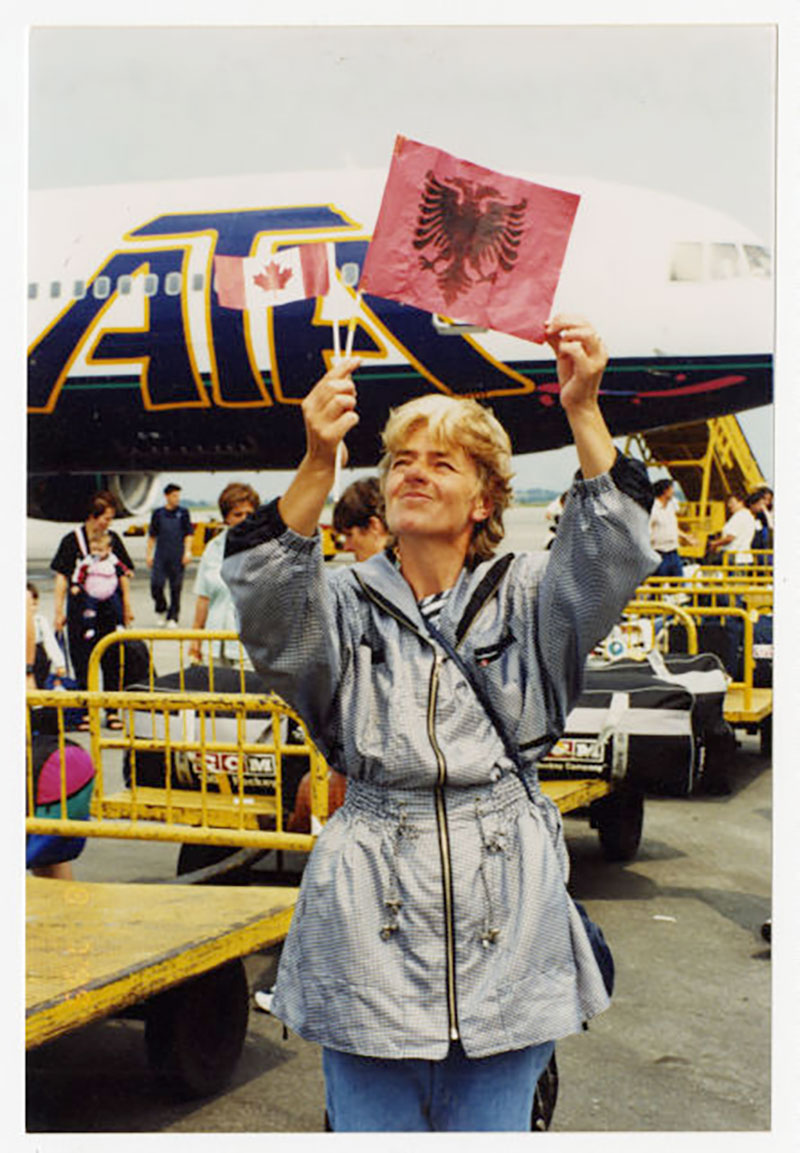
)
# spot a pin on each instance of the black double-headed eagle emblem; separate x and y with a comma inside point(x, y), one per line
point(474, 232)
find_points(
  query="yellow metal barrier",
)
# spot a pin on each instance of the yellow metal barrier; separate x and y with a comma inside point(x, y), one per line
point(693, 591)
point(636, 609)
point(221, 756)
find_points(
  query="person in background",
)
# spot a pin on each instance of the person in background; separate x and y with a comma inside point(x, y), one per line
point(48, 656)
point(762, 510)
point(736, 538)
point(213, 608)
point(358, 516)
point(435, 952)
point(30, 641)
point(103, 580)
point(69, 599)
point(552, 514)
point(50, 855)
point(665, 535)
point(169, 551)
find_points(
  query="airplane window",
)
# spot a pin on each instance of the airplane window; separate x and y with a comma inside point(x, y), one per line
point(150, 284)
point(687, 261)
point(124, 284)
point(55, 289)
point(33, 291)
point(724, 262)
point(101, 288)
point(197, 282)
point(172, 284)
point(759, 260)
point(79, 289)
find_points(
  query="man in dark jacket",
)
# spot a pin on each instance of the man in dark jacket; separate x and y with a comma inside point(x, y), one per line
point(168, 552)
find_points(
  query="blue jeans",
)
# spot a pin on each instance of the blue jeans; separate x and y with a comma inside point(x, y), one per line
point(671, 564)
point(486, 1094)
point(167, 569)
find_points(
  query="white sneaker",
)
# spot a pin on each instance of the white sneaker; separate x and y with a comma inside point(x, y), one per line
point(263, 999)
point(172, 624)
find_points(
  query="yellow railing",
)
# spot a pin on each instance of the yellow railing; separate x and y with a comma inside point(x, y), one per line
point(636, 609)
point(220, 757)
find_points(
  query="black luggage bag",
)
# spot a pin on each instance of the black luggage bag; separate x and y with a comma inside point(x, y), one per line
point(661, 722)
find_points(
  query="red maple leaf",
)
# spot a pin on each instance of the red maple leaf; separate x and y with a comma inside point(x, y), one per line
point(273, 278)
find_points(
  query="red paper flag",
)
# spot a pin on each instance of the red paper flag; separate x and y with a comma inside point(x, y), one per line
point(468, 243)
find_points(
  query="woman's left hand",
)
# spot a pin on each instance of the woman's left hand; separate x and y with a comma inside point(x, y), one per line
point(581, 358)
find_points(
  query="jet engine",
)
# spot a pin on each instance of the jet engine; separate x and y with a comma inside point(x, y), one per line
point(66, 497)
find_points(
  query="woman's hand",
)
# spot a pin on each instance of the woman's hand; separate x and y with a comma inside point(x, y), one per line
point(329, 412)
point(581, 358)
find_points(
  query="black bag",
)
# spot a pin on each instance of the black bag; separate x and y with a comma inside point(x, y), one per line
point(646, 725)
point(125, 665)
point(669, 735)
point(600, 948)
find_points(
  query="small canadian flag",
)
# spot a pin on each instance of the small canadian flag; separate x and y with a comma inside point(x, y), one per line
point(254, 282)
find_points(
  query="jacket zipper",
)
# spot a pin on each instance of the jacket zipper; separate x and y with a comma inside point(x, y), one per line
point(441, 814)
point(444, 852)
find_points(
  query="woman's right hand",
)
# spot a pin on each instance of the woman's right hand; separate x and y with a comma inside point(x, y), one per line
point(329, 412)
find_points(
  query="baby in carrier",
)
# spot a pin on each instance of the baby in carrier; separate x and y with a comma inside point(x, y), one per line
point(97, 577)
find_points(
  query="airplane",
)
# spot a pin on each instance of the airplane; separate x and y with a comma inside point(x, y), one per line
point(135, 368)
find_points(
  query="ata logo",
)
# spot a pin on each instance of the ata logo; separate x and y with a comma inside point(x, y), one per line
point(187, 351)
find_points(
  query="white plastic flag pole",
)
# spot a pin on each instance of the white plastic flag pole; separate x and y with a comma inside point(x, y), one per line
point(350, 273)
point(351, 328)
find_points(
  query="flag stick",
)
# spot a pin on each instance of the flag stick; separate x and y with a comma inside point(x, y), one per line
point(351, 328)
point(350, 274)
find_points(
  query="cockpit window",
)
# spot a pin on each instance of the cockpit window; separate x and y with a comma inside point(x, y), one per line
point(695, 261)
point(759, 260)
point(724, 262)
point(687, 261)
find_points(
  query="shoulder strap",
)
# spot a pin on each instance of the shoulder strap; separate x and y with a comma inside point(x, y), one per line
point(509, 746)
point(81, 539)
point(488, 584)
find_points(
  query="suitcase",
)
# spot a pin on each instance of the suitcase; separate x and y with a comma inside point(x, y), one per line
point(663, 733)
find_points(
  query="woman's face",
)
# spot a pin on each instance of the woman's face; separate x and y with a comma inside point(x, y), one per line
point(364, 541)
point(100, 524)
point(238, 512)
point(433, 490)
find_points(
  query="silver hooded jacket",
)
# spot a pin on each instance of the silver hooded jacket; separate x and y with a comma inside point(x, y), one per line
point(434, 905)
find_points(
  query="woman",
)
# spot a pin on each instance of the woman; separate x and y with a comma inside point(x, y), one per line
point(358, 517)
point(434, 951)
point(70, 601)
point(213, 607)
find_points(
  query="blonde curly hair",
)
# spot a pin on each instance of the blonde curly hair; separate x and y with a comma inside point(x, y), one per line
point(459, 422)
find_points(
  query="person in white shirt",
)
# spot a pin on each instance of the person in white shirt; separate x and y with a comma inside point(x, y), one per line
point(48, 655)
point(737, 534)
point(665, 535)
point(214, 607)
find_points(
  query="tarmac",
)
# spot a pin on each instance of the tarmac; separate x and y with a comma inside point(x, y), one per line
point(685, 1047)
